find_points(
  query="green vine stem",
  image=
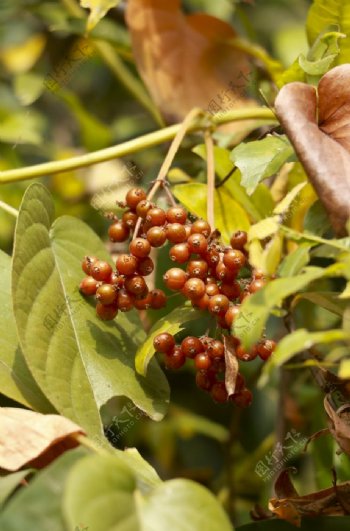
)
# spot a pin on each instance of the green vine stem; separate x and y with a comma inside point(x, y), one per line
point(131, 146)
point(9, 209)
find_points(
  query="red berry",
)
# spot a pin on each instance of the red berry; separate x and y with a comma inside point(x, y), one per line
point(129, 219)
point(175, 359)
point(101, 271)
point(231, 314)
point(216, 349)
point(106, 294)
point(218, 304)
point(125, 301)
point(202, 361)
point(244, 398)
point(156, 217)
point(243, 355)
point(106, 313)
point(197, 268)
point(191, 346)
point(224, 273)
point(256, 285)
point(205, 380)
point(126, 264)
point(240, 383)
point(197, 243)
point(158, 299)
point(145, 266)
point(175, 278)
point(220, 319)
point(116, 280)
point(88, 263)
point(134, 196)
point(232, 289)
point(140, 247)
point(218, 392)
point(164, 342)
point(144, 303)
point(176, 233)
point(239, 239)
point(201, 227)
point(180, 253)
point(156, 236)
point(194, 288)
point(88, 286)
point(265, 348)
point(176, 214)
point(234, 259)
point(202, 303)
point(143, 207)
point(212, 289)
point(118, 232)
point(212, 257)
point(136, 286)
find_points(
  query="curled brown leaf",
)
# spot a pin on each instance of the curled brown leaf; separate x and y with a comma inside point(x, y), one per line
point(232, 366)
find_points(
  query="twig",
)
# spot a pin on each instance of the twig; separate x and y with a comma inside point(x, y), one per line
point(9, 209)
point(209, 146)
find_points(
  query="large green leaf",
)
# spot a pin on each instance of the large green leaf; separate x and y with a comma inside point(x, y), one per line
point(324, 13)
point(295, 261)
point(16, 380)
point(229, 215)
point(79, 361)
point(104, 494)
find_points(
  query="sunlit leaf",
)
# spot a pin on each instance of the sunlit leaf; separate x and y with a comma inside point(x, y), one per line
point(21, 57)
point(98, 9)
point(294, 262)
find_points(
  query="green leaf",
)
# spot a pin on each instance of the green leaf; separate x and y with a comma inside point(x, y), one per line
point(264, 228)
point(296, 342)
point(10, 482)
point(316, 219)
point(229, 215)
point(172, 323)
point(294, 262)
point(79, 361)
point(324, 523)
point(98, 9)
point(100, 485)
point(28, 87)
point(283, 206)
point(21, 128)
point(38, 507)
point(260, 159)
point(256, 308)
point(16, 381)
point(325, 13)
point(272, 255)
point(328, 300)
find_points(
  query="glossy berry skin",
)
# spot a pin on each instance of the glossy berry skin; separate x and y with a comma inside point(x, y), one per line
point(176, 214)
point(136, 285)
point(101, 271)
point(126, 264)
point(265, 348)
point(180, 253)
point(191, 346)
point(212, 289)
point(174, 359)
point(106, 313)
point(164, 343)
point(200, 226)
point(218, 393)
point(225, 274)
point(143, 207)
point(197, 243)
point(144, 303)
point(145, 266)
point(156, 236)
point(158, 299)
point(244, 398)
point(256, 285)
point(176, 233)
point(175, 278)
point(216, 349)
point(106, 294)
point(140, 247)
point(202, 361)
point(129, 219)
point(156, 217)
point(88, 286)
point(88, 263)
point(212, 257)
point(134, 196)
point(205, 380)
point(243, 355)
point(232, 289)
point(220, 319)
point(194, 288)
point(116, 280)
point(234, 259)
point(218, 304)
point(198, 269)
point(239, 239)
point(125, 301)
point(231, 314)
point(202, 303)
point(118, 232)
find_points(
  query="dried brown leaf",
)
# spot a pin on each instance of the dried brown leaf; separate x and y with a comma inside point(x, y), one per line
point(339, 424)
point(185, 61)
point(29, 437)
point(318, 125)
point(232, 366)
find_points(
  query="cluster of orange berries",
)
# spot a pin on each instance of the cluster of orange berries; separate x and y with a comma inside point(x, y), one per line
point(213, 277)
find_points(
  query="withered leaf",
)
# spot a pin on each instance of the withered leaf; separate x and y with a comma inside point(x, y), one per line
point(232, 366)
point(318, 125)
point(185, 61)
point(29, 437)
point(339, 424)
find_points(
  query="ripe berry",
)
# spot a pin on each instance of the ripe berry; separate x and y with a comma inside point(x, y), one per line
point(205, 380)
point(176, 233)
point(164, 342)
point(106, 313)
point(125, 301)
point(191, 346)
point(256, 285)
point(158, 299)
point(212, 257)
point(116, 280)
point(118, 232)
point(188, 230)
point(175, 278)
point(221, 322)
point(174, 359)
point(136, 285)
point(218, 392)
point(126, 264)
point(197, 243)
point(143, 207)
point(180, 253)
point(156, 217)
point(145, 266)
point(134, 196)
point(244, 398)
point(224, 273)
point(232, 290)
point(231, 314)
point(87, 264)
point(218, 304)
point(176, 214)
point(202, 361)
point(194, 288)
point(234, 259)
point(201, 227)
point(240, 383)
point(239, 239)
point(197, 268)
point(202, 303)
point(243, 355)
point(212, 289)
point(106, 294)
point(88, 286)
point(216, 349)
point(101, 271)
point(144, 303)
point(156, 236)
point(140, 247)
point(265, 348)
point(129, 219)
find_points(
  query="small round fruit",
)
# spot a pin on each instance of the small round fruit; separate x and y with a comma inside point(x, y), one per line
point(106, 313)
point(218, 304)
point(224, 274)
point(232, 289)
point(191, 346)
point(176, 214)
point(118, 232)
point(218, 392)
point(197, 243)
point(101, 271)
point(239, 239)
point(140, 247)
point(212, 257)
point(200, 226)
point(220, 319)
point(194, 288)
point(106, 294)
point(125, 301)
point(117, 280)
point(175, 278)
point(197, 268)
point(164, 343)
point(244, 398)
point(256, 285)
point(144, 303)
point(88, 263)
point(136, 285)
point(134, 196)
point(158, 299)
point(180, 253)
point(212, 289)
point(240, 383)
point(202, 303)
point(216, 349)
point(174, 359)
point(126, 264)
point(145, 266)
point(143, 208)
point(265, 348)
point(231, 314)
point(176, 233)
point(156, 217)
point(156, 236)
point(88, 286)
point(244, 355)
point(234, 259)
point(129, 219)
point(205, 380)
point(202, 361)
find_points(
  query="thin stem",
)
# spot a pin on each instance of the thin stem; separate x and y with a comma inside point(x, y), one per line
point(209, 146)
point(9, 209)
point(131, 146)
